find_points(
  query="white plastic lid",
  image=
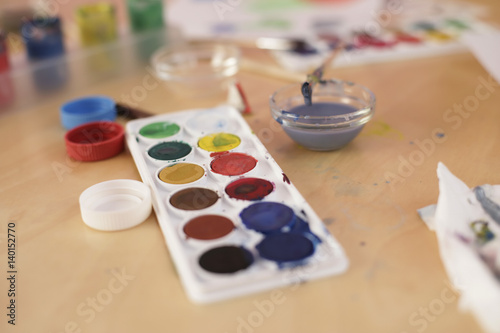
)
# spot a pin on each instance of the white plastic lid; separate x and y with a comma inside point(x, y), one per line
point(115, 204)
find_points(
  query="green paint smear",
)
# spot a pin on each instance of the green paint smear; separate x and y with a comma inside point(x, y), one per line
point(275, 23)
point(267, 24)
point(266, 5)
point(457, 24)
point(159, 130)
point(482, 231)
point(224, 140)
point(380, 128)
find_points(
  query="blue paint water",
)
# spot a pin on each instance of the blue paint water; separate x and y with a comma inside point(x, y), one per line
point(267, 217)
point(322, 139)
point(322, 110)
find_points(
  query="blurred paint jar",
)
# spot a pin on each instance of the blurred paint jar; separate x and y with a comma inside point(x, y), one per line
point(43, 38)
point(145, 15)
point(4, 56)
point(44, 41)
point(97, 24)
point(6, 87)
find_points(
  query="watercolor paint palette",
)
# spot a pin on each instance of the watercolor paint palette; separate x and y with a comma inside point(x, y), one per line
point(415, 39)
point(232, 221)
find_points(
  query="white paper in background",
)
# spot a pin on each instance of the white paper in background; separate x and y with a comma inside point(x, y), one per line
point(462, 252)
point(249, 19)
point(486, 49)
point(440, 14)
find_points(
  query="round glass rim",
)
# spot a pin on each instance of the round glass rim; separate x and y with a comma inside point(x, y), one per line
point(167, 72)
point(358, 117)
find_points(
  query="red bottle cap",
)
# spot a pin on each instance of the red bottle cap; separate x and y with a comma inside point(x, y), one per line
point(95, 141)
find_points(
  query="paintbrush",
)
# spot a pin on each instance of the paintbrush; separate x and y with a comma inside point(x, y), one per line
point(298, 45)
point(317, 75)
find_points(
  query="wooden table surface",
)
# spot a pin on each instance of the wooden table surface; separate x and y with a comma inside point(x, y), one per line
point(367, 194)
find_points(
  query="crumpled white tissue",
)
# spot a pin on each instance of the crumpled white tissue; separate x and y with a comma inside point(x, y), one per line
point(469, 244)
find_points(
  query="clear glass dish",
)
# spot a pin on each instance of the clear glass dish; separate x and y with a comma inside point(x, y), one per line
point(197, 69)
point(339, 111)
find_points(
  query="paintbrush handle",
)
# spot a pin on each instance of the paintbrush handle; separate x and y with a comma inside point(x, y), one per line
point(317, 75)
point(319, 72)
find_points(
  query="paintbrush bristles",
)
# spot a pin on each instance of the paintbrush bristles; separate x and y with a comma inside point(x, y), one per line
point(307, 93)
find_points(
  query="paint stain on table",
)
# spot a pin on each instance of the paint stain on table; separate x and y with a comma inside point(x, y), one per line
point(382, 129)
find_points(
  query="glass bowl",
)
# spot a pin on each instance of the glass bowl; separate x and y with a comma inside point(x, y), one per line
point(338, 112)
point(195, 70)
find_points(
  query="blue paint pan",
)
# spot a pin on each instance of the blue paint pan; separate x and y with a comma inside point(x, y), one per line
point(268, 217)
point(286, 248)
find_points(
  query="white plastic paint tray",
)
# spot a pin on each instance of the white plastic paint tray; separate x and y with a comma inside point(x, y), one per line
point(275, 254)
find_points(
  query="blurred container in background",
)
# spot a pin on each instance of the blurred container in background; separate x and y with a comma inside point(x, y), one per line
point(145, 15)
point(6, 87)
point(97, 24)
point(43, 38)
point(200, 73)
point(45, 48)
point(4, 56)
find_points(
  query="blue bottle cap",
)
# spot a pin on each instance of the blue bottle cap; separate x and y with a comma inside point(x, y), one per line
point(87, 109)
